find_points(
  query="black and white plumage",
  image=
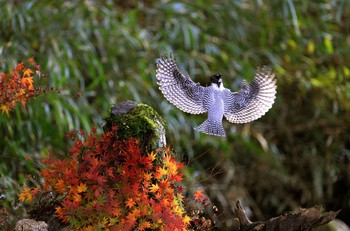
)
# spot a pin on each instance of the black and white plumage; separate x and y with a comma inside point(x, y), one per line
point(248, 104)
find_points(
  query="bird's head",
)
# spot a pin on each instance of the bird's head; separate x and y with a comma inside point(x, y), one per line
point(216, 79)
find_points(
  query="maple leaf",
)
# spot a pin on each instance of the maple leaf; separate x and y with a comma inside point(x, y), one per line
point(170, 163)
point(60, 186)
point(136, 213)
point(198, 194)
point(77, 197)
point(180, 196)
point(130, 203)
point(59, 212)
point(144, 225)
point(28, 72)
point(176, 177)
point(186, 219)
point(19, 66)
point(81, 188)
point(35, 191)
point(26, 195)
point(147, 177)
point(200, 197)
point(28, 81)
point(154, 188)
point(146, 162)
point(94, 162)
point(176, 208)
point(31, 61)
point(115, 211)
point(4, 108)
point(152, 156)
point(22, 98)
point(163, 171)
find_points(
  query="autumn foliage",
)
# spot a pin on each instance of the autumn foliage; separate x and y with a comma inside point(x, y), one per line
point(18, 85)
point(109, 184)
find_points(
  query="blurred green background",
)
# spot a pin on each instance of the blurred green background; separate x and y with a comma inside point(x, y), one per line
point(296, 155)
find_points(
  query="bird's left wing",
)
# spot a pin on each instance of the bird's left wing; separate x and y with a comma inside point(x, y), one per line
point(178, 88)
point(253, 100)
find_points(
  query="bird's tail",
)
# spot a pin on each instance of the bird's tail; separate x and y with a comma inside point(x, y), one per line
point(211, 127)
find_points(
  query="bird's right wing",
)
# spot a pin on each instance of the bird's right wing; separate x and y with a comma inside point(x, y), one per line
point(253, 100)
point(178, 88)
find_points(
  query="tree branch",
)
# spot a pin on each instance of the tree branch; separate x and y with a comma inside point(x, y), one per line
point(303, 219)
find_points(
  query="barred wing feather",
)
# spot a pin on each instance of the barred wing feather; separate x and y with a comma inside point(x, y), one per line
point(252, 101)
point(178, 88)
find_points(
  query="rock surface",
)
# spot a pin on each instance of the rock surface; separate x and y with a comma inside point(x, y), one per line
point(31, 225)
point(140, 121)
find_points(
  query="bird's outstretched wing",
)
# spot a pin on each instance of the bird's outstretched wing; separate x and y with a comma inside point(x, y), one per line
point(252, 101)
point(178, 88)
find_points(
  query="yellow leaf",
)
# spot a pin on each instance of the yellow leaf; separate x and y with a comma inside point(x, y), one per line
point(152, 156)
point(186, 219)
point(163, 171)
point(81, 188)
point(154, 188)
point(170, 164)
point(4, 108)
point(27, 72)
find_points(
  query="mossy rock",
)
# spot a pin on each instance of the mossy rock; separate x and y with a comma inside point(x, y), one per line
point(138, 121)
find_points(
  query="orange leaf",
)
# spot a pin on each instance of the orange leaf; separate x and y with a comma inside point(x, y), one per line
point(19, 66)
point(28, 81)
point(28, 72)
point(31, 61)
point(26, 195)
point(59, 212)
point(144, 225)
point(147, 177)
point(60, 186)
point(130, 203)
point(116, 211)
point(77, 197)
point(81, 188)
point(154, 188)
point(198, 195)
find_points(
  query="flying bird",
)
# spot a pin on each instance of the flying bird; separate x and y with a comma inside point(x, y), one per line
point(248, 104)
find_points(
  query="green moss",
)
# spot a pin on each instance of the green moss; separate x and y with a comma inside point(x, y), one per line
point(141, 122)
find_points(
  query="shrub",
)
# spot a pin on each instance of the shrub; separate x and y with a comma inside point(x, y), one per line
point(110, 184)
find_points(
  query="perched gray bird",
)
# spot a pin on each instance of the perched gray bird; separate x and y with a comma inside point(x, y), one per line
point(248, 104)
